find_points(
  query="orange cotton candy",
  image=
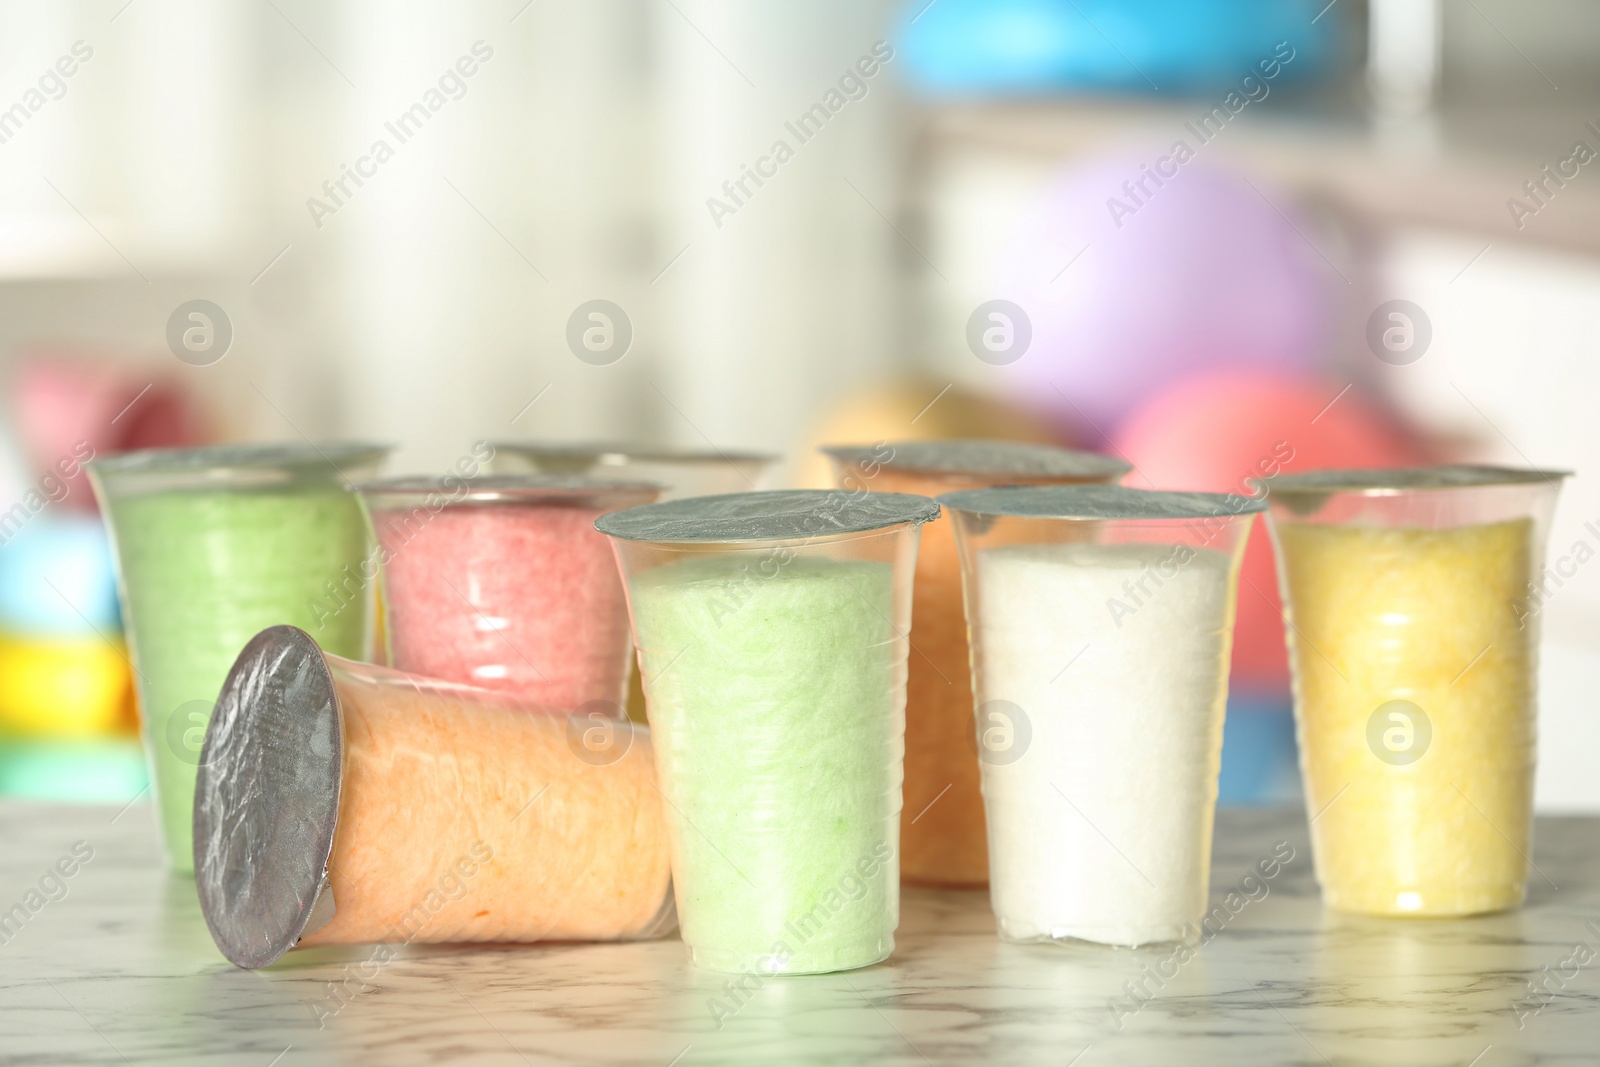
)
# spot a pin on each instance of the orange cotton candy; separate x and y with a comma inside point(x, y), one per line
point(947, 844)
point(943, 841)
point(465, 819)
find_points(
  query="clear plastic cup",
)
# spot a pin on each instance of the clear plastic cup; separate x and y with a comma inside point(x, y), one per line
point(212, 545)
point(1102, 623)
point(504, 583)
point(681, 472)
point(1413, 609)
point(343, 803)
point(942, 840)
point(771, 634)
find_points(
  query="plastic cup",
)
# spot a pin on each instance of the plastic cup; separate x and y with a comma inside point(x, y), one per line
point(942, 836)
point(342, 803)
point(212, 545)
point(771, 634)
point(1413, 640)
point(1102, 623)
point(680, 472)
point(504, 583)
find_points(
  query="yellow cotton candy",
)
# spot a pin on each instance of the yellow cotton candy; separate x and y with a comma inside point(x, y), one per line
point(1414, 696)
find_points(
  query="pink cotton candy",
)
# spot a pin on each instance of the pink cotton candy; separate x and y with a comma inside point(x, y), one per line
point(521, 597)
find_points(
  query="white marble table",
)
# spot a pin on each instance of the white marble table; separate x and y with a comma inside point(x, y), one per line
point(120, 970)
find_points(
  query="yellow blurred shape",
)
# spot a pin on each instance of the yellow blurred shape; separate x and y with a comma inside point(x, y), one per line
point(915, 409)
point(63, 687)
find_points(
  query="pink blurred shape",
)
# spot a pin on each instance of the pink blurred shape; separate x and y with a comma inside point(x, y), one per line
point(61, 403)
point(1216, 431)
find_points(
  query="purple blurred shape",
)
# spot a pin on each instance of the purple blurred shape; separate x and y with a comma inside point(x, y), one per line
point(1132, 285)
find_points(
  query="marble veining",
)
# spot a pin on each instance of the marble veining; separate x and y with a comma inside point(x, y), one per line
point(120, 970)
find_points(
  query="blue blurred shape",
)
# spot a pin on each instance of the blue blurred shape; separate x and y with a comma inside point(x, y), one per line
point(1260, 764)
point(1054, 47)
point(107, 770)
point(57, 579)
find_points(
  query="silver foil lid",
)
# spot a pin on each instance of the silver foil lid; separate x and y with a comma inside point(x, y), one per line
point(1407, 479)
point(513, 488)
point(576, 458)
point(1016, 458)
point(1113, 502)
point(301, 456)
point(775, 515)
point(267, 799)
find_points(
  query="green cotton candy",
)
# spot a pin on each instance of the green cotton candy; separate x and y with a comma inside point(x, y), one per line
point(202, 572)
point(775, 694)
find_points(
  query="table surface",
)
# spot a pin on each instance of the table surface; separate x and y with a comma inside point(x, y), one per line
point(121, 970)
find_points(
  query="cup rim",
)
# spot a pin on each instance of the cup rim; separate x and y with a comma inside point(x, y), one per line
point(978, 457)
point(1114, 503)
point(220, 460)
point(508, 488)
point(1396, 480)
point(767, 515)
point(620, 453)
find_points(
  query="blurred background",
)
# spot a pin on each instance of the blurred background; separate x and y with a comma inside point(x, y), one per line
point(1220, 238)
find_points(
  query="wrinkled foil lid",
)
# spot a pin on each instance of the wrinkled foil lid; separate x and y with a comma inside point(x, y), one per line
point(580, 457)
point(1098, 502)
point(775, 515)
point(230, 457)
point(267, 799)
point(1016, 458)
point(1406, 479)
point(513, 488)
point(229, 466)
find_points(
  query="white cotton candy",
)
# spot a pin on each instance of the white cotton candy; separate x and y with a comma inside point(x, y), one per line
point(1100, 814)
